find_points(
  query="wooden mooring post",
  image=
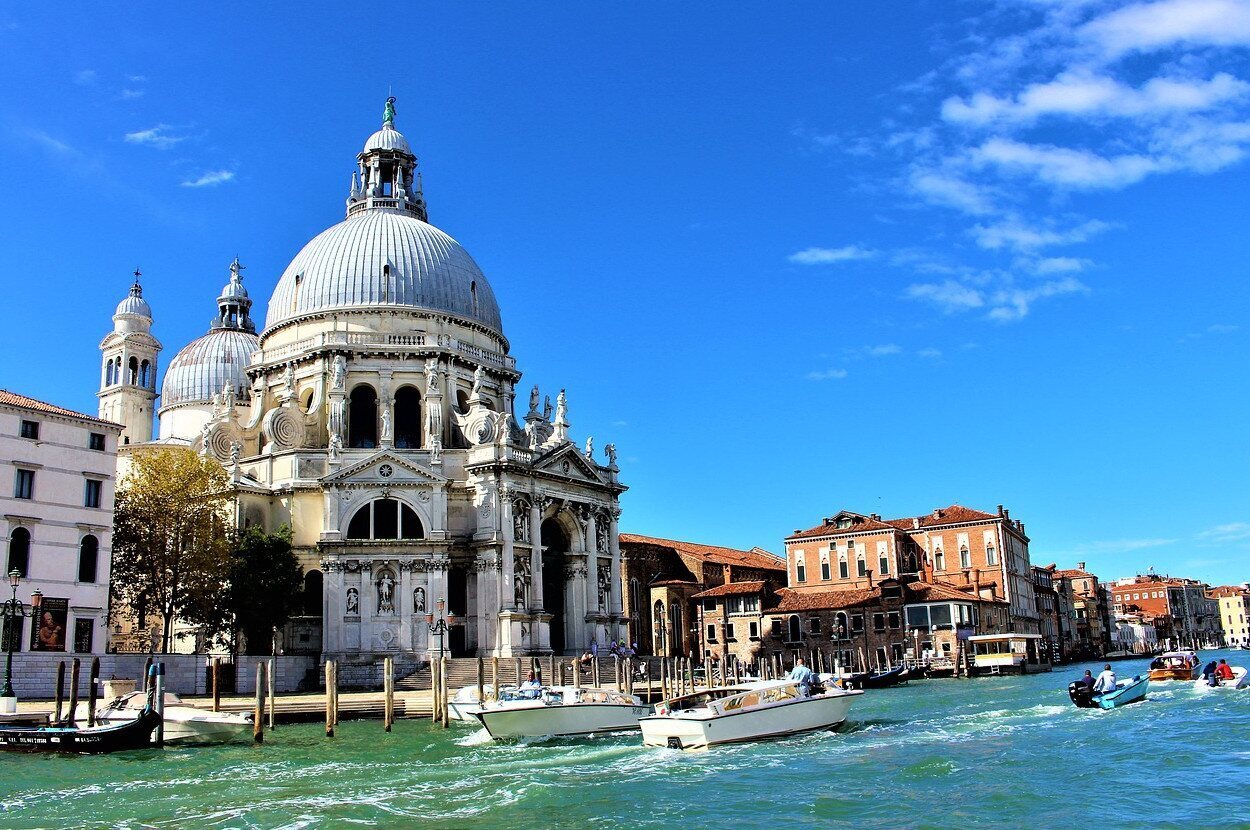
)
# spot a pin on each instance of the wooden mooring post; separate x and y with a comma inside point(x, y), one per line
point(442, 693)
point(494, 675)
point(60, 691)
point(329, 698)
point(216, 684)
point(388, 691)
point(616, 664)
point(481, 680)
point(73, 692)
point(272, 697)
point(258, 712)
point(91, 690)
point(594, 672)
point(519, 678)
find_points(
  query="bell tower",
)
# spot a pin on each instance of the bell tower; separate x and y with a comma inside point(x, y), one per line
point(128, 368)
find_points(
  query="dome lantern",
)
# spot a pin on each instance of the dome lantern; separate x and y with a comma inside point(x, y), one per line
point(234, 306)
point(386, 176)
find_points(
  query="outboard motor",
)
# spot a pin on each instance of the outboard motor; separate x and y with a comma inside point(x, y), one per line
point(1208, 674)
point(1082, 694)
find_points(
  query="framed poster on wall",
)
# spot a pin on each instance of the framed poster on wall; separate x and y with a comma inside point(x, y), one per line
point(48, 631)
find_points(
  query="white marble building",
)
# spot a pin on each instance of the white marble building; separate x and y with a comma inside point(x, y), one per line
point(56, 511)
point(375, 416)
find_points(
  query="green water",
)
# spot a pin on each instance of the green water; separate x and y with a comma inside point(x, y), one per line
point(939, 753)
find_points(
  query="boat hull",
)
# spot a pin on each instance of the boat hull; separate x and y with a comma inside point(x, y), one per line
point(565, 720)
point(795, 717)
point(1134, 692)
point(135, 734)
point(1240, 680)
point(184, 724)
point(1162, 675)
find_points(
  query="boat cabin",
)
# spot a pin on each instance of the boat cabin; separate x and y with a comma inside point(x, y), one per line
point(1008, 654)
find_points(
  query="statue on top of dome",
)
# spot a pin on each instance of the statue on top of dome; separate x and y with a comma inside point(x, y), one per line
point(388, 115)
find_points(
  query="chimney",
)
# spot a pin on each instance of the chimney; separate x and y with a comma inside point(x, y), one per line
point(869, 575)
point(937, 514)
point(976, 581)
point(828, 520)
point(1020, 524)
point(876, 517)
point(1006, 513)
point(1000, 510)
point(729, 573)
point(915, 524)
point(1080, 566)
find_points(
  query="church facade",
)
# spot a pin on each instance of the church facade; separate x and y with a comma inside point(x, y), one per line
point(375, 414)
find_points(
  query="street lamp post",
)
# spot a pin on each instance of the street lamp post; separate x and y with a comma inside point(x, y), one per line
point(14, 611)
point(438, 627)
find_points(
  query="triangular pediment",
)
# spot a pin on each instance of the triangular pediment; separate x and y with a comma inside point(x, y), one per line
point(385, 467)
point(567, 461)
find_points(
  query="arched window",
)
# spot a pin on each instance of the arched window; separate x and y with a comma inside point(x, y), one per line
point(362, 418)
point(795, 629)
point(407, 419)
point(965, 558)
point(134, 371)
point(312, 594)
point(88, 556)
point(385, 519)
point(991, 556)
point(800, 568)
point(939, 560)
point(841, 625)
point(108, 373)
point(19, 552)
point(145, 374)
point(658, 626)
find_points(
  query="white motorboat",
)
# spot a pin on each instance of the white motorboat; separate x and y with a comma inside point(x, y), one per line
point(1240, 680)
point(560, 711)
point(465, 700)
point(747, 712)
point(183, 723)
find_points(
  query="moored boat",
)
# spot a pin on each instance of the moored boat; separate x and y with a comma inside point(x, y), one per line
point(135, 733)
point(183, 723)
point(1126, 691)
point(466, 700)
point(749, 712)
point(560, 711)
point(1175, 665)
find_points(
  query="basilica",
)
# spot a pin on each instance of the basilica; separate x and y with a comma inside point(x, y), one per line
point(375, 414)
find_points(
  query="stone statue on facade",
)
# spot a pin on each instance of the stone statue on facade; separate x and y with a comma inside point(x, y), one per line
point(520, 525)
point(418, 600)
point(610, 451)
point(436, 450)
point(534, 399)
point(386, 424)
point(336, 448)
point(479, 377)
point(288, 379)
point(386, 590)
point(562, 408)
point(547, 408)
point(338, 374)
point(227, 397)
point(431, 378)
point(353, 602)
point(388, 114)
point(235, 449)
point(590, 447)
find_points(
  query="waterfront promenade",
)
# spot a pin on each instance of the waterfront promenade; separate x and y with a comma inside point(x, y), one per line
point(990, 752)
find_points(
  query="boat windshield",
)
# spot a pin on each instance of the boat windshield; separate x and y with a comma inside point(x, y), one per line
point(520, 694)
point(758, 697)
point(606, 696)
point(700, 699)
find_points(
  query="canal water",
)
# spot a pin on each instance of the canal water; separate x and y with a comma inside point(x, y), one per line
point(1009, 752)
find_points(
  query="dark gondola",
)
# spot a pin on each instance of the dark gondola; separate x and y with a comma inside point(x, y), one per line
point(135, 734)
point(877, 680)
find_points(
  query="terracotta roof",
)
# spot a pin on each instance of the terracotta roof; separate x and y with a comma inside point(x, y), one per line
point(938, 592)
point(732, 589)
point(815, 600)
point(754, 558)
point(663, 582)
point(955, 514)
point(22, 402)
point(1228, 591)
point(1074, 573)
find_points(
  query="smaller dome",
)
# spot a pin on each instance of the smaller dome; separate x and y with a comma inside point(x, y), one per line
point(134, 303)
point(387, 138)
point(205, 365)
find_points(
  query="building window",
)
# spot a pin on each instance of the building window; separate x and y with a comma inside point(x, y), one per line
point(711, 633)
point(894, 620)
point(362, 418)
point(775, 628)
point(19, 552)
point(88, 556)
point(751, 603)
point(407, 418)
point(709, 605)
point(824, 569)
point(800, 571)
point(754, 629)
point(83, 630)
point(991, 555)
point(883, 563)
point(25, 486)
point(839, 625)
point(729, 633)
point(939, 560)
point(861, 567)
point(30, 429)
point(857, 622)
point(96, 442)
point(813, 625)
point(795, 633)
point(385, 519)
point(92, 496)
point(733, 605)
point(878, 622)
point(965, 557)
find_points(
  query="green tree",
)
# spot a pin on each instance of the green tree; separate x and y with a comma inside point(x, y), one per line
point(171, 540)
point(266, 587)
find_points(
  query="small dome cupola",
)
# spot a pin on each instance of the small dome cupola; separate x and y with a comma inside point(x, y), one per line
point(234, 306)
point(134, 304)
point(386, 177)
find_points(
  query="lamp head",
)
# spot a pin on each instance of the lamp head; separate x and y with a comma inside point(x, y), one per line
point(429, 619)
point(36, 600)
point(441, 604)
point(14, 576)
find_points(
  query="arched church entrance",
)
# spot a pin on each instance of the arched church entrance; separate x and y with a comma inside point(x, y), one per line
point(555, 545)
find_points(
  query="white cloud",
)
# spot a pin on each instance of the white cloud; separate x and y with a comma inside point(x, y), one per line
point(829, 256)
point(131, 94)
point(1222, 328)
point(157, 136)
point(950, 190)
point(1065, 167)
point(883, 350)
point(950, 296)
point(85, 77)
point(1059, 265)
point(49, 143)
point(1147, 27)
point(1226, 533)
point(137, 79)
point(1016, 234)
point(1082, 93)
point(929, 353)
point(211, 178)
point(1012, 304)
point(827, 374)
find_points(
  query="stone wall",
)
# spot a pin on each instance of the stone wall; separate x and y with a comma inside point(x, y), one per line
point(34, 673)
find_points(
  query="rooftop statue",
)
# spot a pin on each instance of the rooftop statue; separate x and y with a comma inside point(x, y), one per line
point(388, 116)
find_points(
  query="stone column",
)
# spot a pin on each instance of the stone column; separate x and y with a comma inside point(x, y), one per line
point(506, 593)
point(403, 606)
point(437, 591)
point(615, 606)
point(332, 608)
point(486, 591)
point(592, 563)
point(536, 553)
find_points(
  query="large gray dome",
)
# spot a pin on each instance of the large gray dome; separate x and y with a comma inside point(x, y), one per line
point(206, 364)
point(382, 258)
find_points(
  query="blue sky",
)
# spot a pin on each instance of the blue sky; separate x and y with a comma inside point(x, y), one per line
point(791, 259)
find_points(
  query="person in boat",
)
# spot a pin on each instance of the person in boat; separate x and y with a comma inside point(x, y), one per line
point(1106, 681)
point(531, 687)
point(803, 675)
point(1088, 680)
point(1224, 671)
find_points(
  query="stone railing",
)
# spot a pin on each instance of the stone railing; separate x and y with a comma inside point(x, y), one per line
point(368, 339)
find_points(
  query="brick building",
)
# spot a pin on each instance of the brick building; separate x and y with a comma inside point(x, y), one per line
point(984, 554)
point(1050, 611)
point(661, 577)
point(1183, 614)
point(1090, 612)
